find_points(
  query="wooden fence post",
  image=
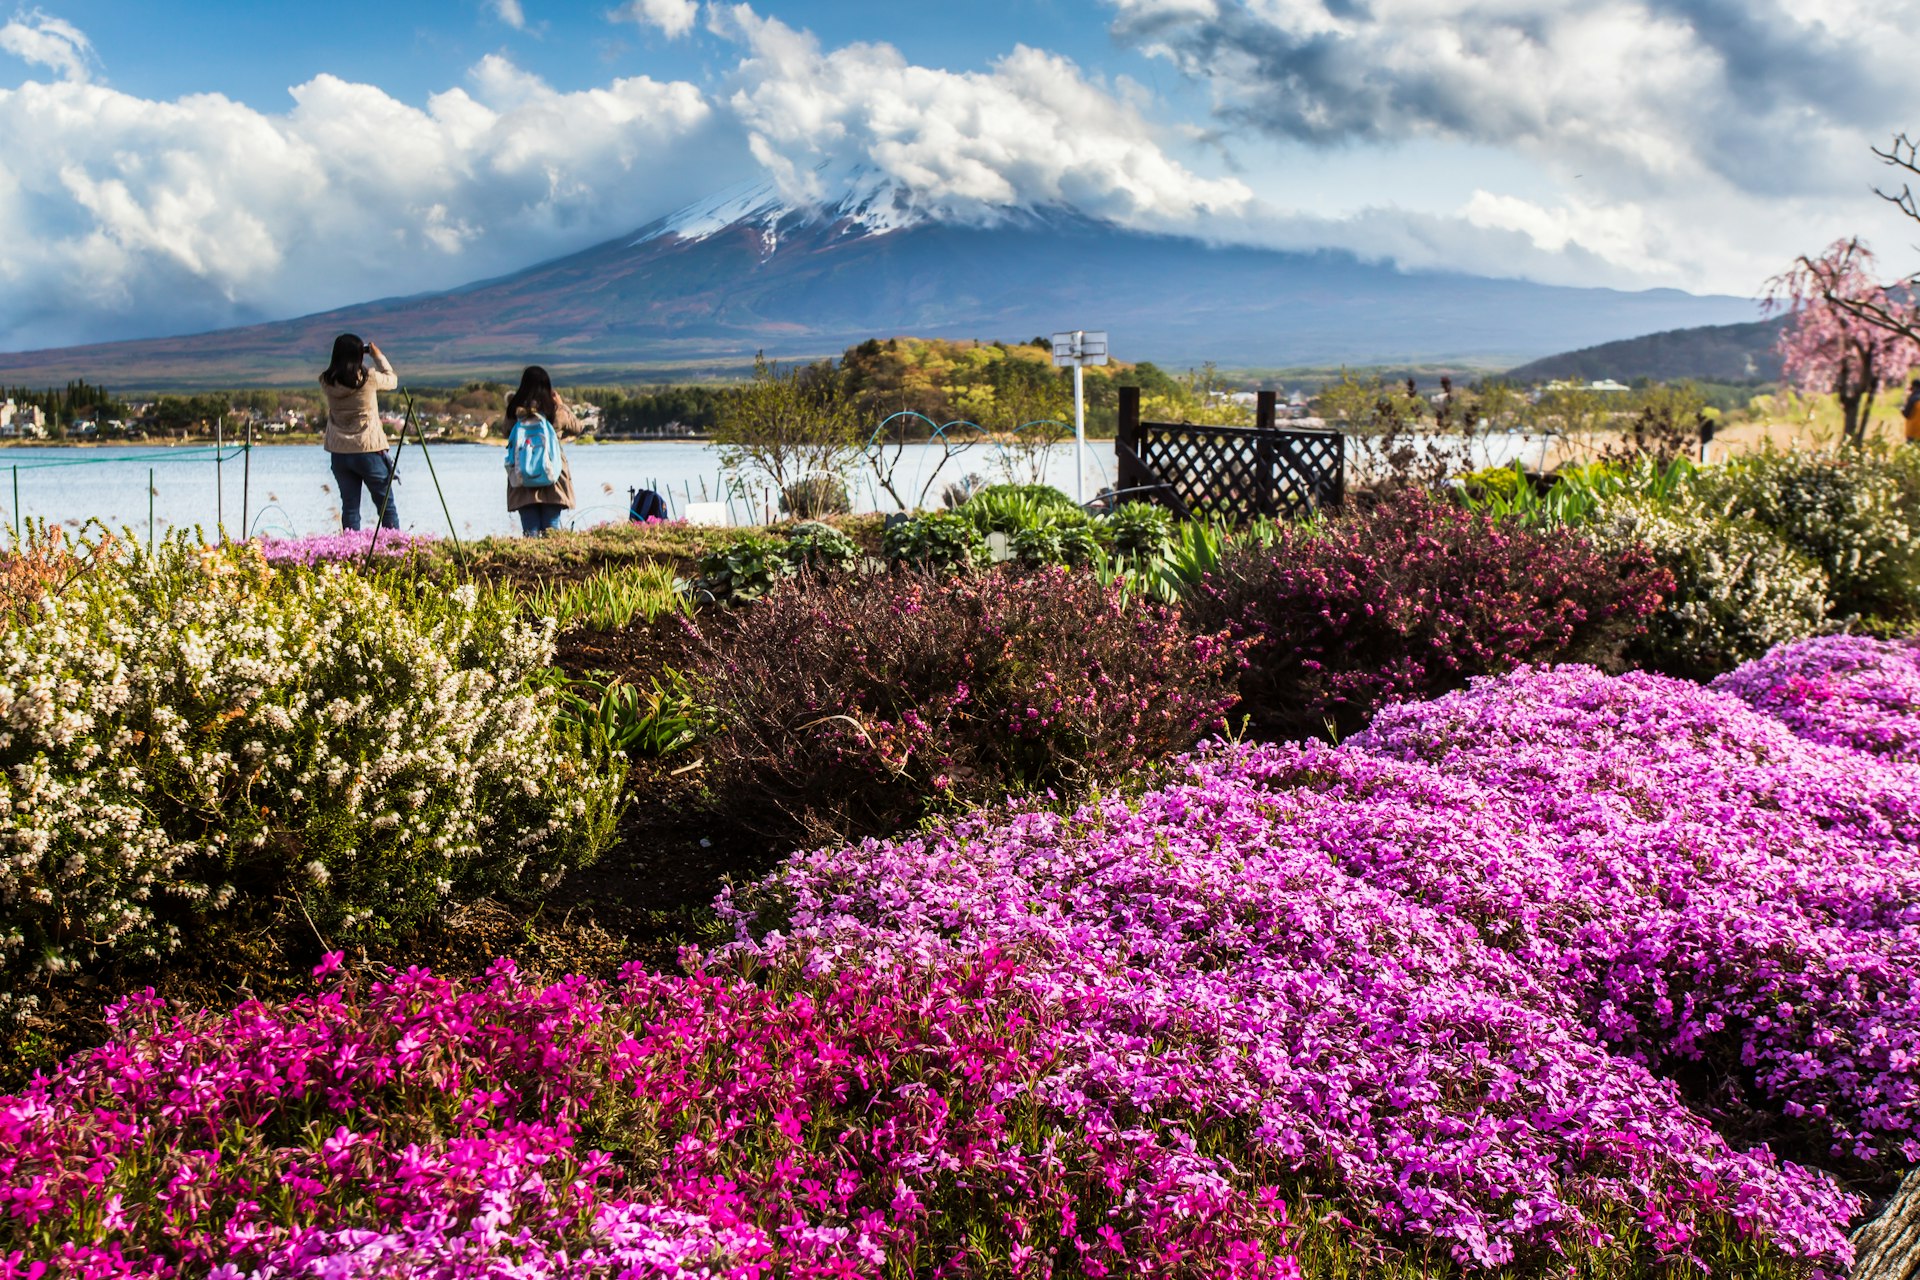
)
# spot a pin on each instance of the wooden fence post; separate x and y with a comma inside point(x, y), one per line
point(1266, 409)
point(1127, 473)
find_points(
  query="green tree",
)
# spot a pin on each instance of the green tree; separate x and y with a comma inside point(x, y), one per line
point(796, 426)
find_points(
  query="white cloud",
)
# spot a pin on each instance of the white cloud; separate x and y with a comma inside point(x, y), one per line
point(46, 41)
point(675, 18)
point(1032, 130)
point(1625, 142)
point(510, 12)
point(1654, 91)
point(124, 216)
point(1662, 129)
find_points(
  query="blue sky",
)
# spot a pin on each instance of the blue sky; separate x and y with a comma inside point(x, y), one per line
point(255, 51)
point(166, 167)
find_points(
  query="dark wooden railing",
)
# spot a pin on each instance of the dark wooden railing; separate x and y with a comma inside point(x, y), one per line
point(1229, 473)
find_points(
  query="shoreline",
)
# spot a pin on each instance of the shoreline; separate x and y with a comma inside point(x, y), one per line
point(314, 442)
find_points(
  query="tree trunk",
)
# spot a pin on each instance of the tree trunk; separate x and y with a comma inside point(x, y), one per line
point(1888, 1248)
point(1853, 420)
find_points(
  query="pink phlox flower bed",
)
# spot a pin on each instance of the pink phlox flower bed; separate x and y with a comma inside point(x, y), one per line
point(323, 548)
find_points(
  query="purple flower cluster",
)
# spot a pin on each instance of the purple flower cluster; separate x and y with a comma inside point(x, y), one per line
point(323, 548)
point(1848, 691)
point(1705, 886)
point(1239, 943)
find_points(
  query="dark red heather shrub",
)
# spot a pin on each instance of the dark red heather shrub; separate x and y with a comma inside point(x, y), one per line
point(858, 706)
point(1409, 600)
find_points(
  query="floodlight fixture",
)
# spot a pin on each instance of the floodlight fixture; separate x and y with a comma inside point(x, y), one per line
point(1076, 349)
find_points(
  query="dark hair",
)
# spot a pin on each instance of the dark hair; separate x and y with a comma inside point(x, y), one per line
point(346, 369)
point(535, 393)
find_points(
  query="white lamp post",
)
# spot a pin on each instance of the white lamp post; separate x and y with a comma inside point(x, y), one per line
point(1077, 350)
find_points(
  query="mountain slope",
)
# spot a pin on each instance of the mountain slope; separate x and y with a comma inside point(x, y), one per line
point(747, 271)
point(1735, 353)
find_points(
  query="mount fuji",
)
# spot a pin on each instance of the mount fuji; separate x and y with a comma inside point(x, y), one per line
point(701, 290)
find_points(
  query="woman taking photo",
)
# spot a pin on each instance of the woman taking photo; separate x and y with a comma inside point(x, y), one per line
point(354, 437)
point(541, 507)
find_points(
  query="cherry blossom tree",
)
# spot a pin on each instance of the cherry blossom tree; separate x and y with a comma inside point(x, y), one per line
point(1838, 338)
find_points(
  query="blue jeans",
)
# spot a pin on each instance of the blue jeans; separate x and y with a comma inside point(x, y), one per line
point(375, 471)
point(541, 517)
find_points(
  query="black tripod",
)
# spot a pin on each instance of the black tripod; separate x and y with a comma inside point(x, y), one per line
point(393, 475)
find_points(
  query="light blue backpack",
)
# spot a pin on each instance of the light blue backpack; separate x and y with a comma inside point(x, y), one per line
point(533, 453)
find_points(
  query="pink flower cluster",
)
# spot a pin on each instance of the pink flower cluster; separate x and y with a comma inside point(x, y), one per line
point(670, 1126)
point(323, 548)
point(1848, 691)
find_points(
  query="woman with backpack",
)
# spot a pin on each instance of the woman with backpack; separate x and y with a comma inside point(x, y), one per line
point(536, 421)
point(356, 443)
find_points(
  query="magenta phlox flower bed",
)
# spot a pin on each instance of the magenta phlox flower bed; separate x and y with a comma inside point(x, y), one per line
point(1218, 957)
point(664, 1126)
point(323, 548)
point(1849, 691)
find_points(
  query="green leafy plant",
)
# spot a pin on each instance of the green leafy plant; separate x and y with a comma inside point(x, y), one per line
point(1577, 493)
point(609, 599)
point(642, 721)
point(1193, 552)
point(937, 542)
point(1009, 508)
point(1140, 530)
point(742, 569)
point(1073, 545)
point(820, 547)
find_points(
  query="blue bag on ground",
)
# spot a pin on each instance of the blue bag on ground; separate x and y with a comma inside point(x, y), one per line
point(646, 505)
point(533, 453)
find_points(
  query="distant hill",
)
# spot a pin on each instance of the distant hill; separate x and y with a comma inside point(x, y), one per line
point(1743, 354)
point(747, 271)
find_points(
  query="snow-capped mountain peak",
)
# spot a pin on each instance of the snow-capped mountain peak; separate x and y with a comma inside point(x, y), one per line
point(861, 201)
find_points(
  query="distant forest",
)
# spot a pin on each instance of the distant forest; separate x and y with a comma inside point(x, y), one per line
point(1730, 354)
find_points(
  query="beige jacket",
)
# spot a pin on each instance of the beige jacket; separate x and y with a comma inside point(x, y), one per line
point(518, 496)
point(353, 413)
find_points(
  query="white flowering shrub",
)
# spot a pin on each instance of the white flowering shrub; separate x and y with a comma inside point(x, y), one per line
point(1855, 515)
point(1739, 589)
point(194, 737)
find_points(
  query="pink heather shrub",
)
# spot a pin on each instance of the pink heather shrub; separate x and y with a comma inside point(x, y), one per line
point(668, 1126)
point(1737, 905)
point(323, 548)
point(1847, 691)
point(858, 706)
point(1411, 599)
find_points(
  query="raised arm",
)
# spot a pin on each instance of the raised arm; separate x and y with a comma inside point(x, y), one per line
point(381, 376)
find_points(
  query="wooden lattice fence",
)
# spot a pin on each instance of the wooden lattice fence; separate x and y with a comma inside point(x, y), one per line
point(1229, 473)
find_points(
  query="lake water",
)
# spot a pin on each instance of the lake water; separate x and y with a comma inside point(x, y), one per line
point(289, 489)
point(291, 492)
